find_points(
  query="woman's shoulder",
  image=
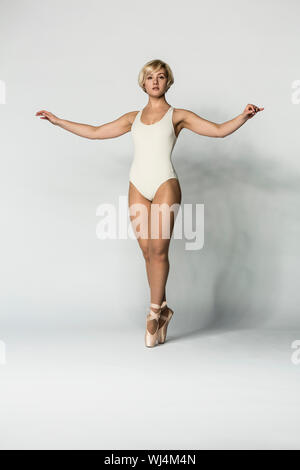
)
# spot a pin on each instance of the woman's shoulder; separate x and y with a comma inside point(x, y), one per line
point(181, 111)
point(131, 115)
point(180, 114)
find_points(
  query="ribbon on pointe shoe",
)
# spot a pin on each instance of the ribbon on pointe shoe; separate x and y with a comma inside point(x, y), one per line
point(164, 317)
point(155, 315)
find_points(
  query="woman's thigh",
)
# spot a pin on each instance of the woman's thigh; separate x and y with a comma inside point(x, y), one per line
point(143, 214)
point(164, 208)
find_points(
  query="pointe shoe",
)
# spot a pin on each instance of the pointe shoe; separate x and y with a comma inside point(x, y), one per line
point(164, 322)
point(151, 338)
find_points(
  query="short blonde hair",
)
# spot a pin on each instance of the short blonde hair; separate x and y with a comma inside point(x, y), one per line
point(154, 66)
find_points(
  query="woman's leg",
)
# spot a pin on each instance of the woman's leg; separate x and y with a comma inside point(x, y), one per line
point(168, 193)
point(135, 197)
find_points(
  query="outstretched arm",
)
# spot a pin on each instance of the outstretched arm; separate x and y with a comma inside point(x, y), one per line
point(202, 126)
point(228, 127)
point(105, 131)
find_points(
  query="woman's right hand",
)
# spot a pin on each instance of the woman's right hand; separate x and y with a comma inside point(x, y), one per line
point(49, 116)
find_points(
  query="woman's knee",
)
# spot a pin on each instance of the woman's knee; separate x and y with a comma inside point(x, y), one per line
point(158, 253)
point(146, 253)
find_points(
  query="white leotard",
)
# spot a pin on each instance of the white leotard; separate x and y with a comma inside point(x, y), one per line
point(153, 145)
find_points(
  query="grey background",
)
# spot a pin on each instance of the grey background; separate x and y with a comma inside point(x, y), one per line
point(80, 61)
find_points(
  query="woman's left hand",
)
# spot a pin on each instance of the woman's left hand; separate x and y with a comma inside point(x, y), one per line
point(250, 111)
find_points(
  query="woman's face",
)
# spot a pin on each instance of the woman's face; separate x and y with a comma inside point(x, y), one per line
point(156, 83)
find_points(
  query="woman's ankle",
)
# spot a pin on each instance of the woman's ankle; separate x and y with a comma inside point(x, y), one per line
point(156, 310)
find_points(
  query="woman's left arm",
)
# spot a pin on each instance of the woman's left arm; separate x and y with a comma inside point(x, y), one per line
point(199, 125)
point(231, 126)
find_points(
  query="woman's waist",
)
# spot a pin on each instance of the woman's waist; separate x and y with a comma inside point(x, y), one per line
point(152, 156)
point(152, 167)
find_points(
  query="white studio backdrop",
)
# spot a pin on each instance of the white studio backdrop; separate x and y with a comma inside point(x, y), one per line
point(80, 60)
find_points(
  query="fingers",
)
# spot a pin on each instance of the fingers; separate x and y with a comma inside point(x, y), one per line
point(252, 109)
point(43, 112)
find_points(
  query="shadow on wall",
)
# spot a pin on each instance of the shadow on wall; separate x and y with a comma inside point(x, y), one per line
point(246, 274)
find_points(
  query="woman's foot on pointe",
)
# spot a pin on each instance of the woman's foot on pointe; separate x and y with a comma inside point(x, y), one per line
point(152, 322)
point(166, 314)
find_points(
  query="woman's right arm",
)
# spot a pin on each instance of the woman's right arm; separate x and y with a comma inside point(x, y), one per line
point(109, 130)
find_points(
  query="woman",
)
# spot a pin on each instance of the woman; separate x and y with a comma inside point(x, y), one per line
point(153, 181)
